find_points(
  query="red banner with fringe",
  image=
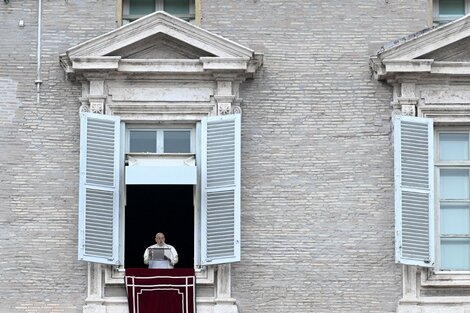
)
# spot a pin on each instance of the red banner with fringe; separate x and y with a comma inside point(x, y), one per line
point(161, 290)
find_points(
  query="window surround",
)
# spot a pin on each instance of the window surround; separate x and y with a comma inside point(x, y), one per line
point(137, 91)
point(444, 114)
point(419, 97)
point(428, 85)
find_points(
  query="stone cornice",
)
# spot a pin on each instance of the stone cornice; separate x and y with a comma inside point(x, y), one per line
point(95, 63)
point(387, 69)
point(241, 67)
point(220, 64)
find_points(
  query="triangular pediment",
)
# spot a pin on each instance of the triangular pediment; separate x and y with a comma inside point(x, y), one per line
point(436, 51)
point(449, 37)
point(161, 43)
point(156, 36)
point(160, 46)
point(458, 51)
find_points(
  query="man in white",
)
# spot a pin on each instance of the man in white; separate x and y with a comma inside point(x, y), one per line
point(170, 256)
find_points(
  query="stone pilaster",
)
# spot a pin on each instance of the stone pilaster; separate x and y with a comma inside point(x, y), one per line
point(94, 301)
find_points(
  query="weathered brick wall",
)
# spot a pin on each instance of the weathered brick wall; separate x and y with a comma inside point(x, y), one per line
point(317, 209)
point(317, 220)
point(39, 155)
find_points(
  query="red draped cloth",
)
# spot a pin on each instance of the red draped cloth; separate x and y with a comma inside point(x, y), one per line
point(160, 290)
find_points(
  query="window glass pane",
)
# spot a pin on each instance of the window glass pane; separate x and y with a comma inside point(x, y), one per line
point(143, 141)
point(455, 219)
point(141, 7)
point(451, 7)
point(453, 147)
point(454, 184)
point(455, 254)
point(176, 6)
point(177, 142)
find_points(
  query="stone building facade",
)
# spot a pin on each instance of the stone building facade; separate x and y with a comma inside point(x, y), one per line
point(317, 173)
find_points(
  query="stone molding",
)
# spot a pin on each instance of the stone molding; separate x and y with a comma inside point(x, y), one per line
point(154, 91)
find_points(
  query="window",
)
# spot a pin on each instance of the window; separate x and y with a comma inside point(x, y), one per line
point(211, 203)
point(432, 218)
point(134, 9)
point(447, 10)
point(147, 140)
point(453, 171)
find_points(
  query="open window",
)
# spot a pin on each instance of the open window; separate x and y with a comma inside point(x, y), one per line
point(164, 190)
point(432, 218)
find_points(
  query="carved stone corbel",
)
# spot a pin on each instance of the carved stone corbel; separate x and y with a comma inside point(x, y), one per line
point(224, 104)
point(236, 109)
point(407, 99)
point(409, 110)
point(97, 96)
point(84, 105)
point(97, 104)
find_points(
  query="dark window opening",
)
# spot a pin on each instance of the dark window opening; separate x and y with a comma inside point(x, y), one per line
point(159, 208)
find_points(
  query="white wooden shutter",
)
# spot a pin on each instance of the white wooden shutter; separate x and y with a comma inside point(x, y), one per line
point(99, 189)
point(220, 189)
point(414, 194)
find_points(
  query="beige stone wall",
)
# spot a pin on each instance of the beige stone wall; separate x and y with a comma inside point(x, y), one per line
point(318, 215)
point(39, 155)
point(317, 187)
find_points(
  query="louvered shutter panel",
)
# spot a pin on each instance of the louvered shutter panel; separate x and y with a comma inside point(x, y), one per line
point(414, 194)
point(99, 189)
point(220, 189)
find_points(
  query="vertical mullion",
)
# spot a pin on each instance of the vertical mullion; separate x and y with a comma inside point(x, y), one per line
point(159, 5)
point(159, 139)
point(125, 7)
point(191, 6)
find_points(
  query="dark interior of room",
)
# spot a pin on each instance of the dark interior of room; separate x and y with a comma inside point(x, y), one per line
point(159, 208)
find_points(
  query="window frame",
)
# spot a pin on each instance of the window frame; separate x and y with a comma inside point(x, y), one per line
point(160, 138)
point(442, 19)
point(225, 135)
point(438, 165)
point(126, 17)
